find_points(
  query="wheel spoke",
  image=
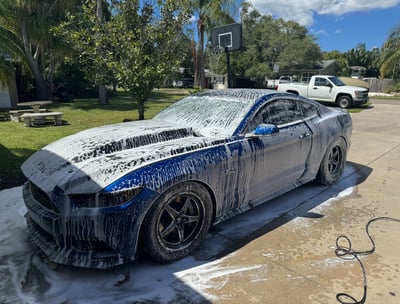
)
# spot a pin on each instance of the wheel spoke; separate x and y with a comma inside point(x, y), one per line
point(190, 219)
point(186, 205)
point(181, 234)
point(169, 229)
point(334, 160)
point(171, 211)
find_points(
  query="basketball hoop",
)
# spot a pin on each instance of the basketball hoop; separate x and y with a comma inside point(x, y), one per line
point(228, 38)
point(215, 53)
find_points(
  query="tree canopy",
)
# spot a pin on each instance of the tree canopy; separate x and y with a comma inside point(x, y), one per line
point(137, 46)
point(390, 60)
point(25, 36)
point(269, 42)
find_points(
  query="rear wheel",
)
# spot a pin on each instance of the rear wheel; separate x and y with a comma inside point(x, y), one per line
point(177, 223)
point(345, 102)
point(332, 165)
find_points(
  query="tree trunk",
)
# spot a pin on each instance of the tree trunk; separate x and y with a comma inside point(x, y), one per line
point(42, 90)
point(141, 109)
point(102, 89)
point(102, 94)
point(199, 78)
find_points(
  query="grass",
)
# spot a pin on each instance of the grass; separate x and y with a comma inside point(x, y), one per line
point(18, 142)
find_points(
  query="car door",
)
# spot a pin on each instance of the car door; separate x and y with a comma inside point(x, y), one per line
point(321, 90)
point(274, 162)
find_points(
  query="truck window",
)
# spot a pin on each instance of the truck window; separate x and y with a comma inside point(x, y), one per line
point(321, 82)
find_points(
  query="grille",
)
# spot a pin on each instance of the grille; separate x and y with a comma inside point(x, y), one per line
point(41, 197)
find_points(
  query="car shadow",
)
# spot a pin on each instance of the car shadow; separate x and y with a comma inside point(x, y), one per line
point(187, 280)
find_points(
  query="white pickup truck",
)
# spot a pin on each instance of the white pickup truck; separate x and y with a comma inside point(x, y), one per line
point(328, 89)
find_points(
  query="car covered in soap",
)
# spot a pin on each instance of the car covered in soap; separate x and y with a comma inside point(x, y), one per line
point(97, 198)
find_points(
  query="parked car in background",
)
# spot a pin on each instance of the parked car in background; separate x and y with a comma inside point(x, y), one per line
point(96, 198)
point(328, 89)
point(274, 83)
point(186, 83)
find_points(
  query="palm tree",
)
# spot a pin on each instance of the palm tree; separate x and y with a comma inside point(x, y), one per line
point(209, 13)
point(28, 24)
point(10, 48)
point(390, 60)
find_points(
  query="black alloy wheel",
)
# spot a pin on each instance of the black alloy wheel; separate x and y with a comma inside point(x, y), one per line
point(177, 222)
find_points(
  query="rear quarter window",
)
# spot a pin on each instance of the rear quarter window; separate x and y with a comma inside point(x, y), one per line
point(309, 110)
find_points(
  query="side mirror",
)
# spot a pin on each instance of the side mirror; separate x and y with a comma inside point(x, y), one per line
point(263, 130)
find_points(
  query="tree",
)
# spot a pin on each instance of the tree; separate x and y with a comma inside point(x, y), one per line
point(209, 13)
point(390, 60)
point(9, 50)
point(360, 56)
point(269, 42)
point(27, 23)
point(137, 46)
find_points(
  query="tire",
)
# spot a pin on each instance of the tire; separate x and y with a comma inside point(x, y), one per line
point(177, 223)
point(333, 162)
point(345, 102)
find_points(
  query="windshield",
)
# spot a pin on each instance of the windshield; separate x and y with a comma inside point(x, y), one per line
point(207, 115)
point(336, 81)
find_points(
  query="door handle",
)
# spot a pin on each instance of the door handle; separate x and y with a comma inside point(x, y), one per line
point(304, 135)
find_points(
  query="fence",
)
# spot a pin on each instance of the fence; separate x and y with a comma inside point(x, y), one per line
point(378, 85)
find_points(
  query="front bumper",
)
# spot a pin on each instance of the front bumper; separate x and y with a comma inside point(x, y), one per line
point(83, 237)
point(360, 101)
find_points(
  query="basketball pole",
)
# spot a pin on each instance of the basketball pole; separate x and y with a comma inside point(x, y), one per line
point(228, 67)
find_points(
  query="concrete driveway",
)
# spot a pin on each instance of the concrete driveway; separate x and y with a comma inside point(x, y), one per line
point(294, 261)
point(280, 252)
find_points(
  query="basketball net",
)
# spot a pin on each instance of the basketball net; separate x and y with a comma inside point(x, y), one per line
point(215, 53)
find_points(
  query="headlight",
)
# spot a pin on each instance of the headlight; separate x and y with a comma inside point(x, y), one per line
point(359, 94)
point(105, 199)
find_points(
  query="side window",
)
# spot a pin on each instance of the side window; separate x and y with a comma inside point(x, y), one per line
point(320, 82)
point(309, 110)
point(277, 112)
point(283, 112)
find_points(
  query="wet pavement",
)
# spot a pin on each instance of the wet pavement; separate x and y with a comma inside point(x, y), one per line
point(296, 262)
point(280, 252)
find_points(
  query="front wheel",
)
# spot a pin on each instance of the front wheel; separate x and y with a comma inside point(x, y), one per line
point(177, 223)
point(344, 102)
point(332, 165)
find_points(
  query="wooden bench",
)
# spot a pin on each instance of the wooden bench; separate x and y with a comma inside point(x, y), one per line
point(15, 115)
point(40, 118)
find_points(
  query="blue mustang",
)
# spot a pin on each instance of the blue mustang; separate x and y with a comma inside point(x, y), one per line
point(96, 197)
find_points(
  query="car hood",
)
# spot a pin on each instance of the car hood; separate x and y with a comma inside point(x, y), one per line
point(90, 160)
point(354, 88)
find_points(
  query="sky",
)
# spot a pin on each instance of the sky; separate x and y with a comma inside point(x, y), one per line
point(338, 24)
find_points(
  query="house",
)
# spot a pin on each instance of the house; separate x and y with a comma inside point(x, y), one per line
point(5, 99)
point(323, 67)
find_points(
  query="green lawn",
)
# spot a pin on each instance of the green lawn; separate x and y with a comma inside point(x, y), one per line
point(18, 142)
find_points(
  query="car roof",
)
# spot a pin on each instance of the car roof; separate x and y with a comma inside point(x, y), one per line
point(249, 95)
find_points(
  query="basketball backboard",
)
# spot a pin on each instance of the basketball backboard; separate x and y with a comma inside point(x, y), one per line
point(227, 36)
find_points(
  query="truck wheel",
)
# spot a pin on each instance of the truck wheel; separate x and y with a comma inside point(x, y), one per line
point(344, 102)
